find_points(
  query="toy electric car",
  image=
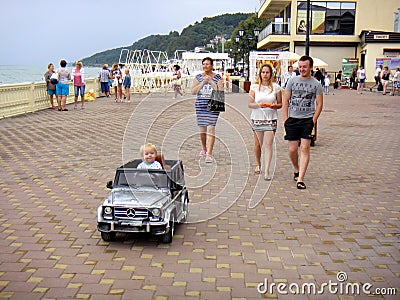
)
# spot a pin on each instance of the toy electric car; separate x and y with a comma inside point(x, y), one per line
point(141, 200)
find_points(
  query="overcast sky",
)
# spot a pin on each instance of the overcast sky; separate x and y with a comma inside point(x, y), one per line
point(35, 32)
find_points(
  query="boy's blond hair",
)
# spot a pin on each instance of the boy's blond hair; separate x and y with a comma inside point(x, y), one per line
point(148, 145)
point(126, 71)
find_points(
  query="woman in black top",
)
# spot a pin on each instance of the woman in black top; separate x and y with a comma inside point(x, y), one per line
point(385, 76)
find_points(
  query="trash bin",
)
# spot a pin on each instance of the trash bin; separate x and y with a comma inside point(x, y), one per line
point(235, 86)
point(246, 86)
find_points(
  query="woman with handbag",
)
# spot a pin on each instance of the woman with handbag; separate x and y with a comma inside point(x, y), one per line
point(265, 98)
point(203, 85)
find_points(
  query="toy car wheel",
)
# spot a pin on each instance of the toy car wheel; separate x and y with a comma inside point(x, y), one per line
point(167, 237)
point(108, 236)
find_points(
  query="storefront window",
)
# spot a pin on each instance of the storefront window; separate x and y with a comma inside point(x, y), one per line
point(327, 17)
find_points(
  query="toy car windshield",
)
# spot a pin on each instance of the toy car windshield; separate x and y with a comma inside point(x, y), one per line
point(143, 178)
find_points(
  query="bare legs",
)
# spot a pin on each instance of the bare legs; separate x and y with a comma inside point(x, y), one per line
point(59, 101)
point(62, 101)
point(300, 165)
point(207, 138)
point(265, 138)
point(51, 101)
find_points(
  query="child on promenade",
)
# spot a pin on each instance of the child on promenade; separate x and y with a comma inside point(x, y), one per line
point(149, 152)
point(127, 85)
point(327, 82)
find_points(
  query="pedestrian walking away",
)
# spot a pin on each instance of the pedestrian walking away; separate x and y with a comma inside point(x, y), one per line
point(203, 85)
point(265, 97)
point(302, 105)
point(396, 81)
point(377, 77)
point(104, 77)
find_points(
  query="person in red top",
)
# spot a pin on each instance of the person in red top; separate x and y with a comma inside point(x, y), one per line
point(78, 76)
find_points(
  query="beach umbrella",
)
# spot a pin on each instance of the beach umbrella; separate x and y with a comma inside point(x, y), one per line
point(287, 55)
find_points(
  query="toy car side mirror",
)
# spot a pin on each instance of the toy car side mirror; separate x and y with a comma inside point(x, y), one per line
point(109, 184)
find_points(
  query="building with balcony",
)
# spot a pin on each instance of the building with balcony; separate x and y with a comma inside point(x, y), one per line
point(363, 29)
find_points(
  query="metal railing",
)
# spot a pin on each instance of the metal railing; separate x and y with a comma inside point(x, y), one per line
point(22, 98)
point(274, 28)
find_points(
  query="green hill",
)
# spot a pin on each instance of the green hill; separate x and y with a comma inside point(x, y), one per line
point(198, 34)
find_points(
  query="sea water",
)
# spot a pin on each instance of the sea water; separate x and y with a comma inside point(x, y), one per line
point(23, 74)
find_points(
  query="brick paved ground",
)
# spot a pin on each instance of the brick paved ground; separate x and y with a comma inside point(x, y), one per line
point(54, 166)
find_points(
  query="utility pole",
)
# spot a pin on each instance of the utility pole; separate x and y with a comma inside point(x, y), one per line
point(308, 29)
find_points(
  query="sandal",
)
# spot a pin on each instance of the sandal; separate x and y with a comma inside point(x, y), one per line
point(301, 185)
point(296, 176)
point(257, 170)
point(267, 178)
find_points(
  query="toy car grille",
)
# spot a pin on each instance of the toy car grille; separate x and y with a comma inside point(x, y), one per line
point(131, 213)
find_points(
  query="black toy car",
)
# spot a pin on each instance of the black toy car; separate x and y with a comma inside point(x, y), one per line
point(144, 200)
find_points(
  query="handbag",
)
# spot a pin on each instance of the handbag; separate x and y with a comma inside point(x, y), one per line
point(217, 101)
point(54, 78)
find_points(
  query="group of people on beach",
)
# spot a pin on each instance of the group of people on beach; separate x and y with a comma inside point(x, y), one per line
point(301, 100)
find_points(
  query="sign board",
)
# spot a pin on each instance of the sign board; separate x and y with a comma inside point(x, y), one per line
point(348, 64)
point(258, 58)
point(381, 36)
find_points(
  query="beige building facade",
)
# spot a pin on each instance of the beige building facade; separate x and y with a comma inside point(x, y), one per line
point(362, 29)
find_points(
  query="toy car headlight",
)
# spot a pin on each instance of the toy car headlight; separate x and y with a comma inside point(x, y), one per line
point(156, 212)
point(108, 210)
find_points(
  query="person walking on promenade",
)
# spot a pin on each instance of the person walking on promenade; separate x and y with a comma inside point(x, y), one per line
point(327, 82)
point(104, 76)
point(353, 79)
point(396, 81)
point(62, 87)
point(265, 97)
point(290, 73)
point(116, 77)
point(339, 79)
point(377, 77)
point(51, 88)
point(127, 85)
point(361, 80)
point(203, 85)
point(385, 77)
point(177, 81)
point(302, 105)
point(78, 75)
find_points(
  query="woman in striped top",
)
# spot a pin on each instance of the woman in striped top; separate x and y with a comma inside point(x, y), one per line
point(203, 86)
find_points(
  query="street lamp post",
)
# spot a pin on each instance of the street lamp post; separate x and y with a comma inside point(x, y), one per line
point(247, 47)
point(308, 29)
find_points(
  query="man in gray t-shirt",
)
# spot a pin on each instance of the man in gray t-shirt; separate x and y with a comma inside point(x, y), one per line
point(302, 105)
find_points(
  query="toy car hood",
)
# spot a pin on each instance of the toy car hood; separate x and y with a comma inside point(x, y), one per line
point(142, 197)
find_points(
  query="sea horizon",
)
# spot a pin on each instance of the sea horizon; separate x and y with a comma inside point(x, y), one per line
point(14, 74)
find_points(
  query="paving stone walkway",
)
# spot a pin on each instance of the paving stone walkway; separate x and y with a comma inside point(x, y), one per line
point(243, 233)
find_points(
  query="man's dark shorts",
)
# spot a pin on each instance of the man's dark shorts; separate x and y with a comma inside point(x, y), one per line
point(377, 79)
point(297, 129)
